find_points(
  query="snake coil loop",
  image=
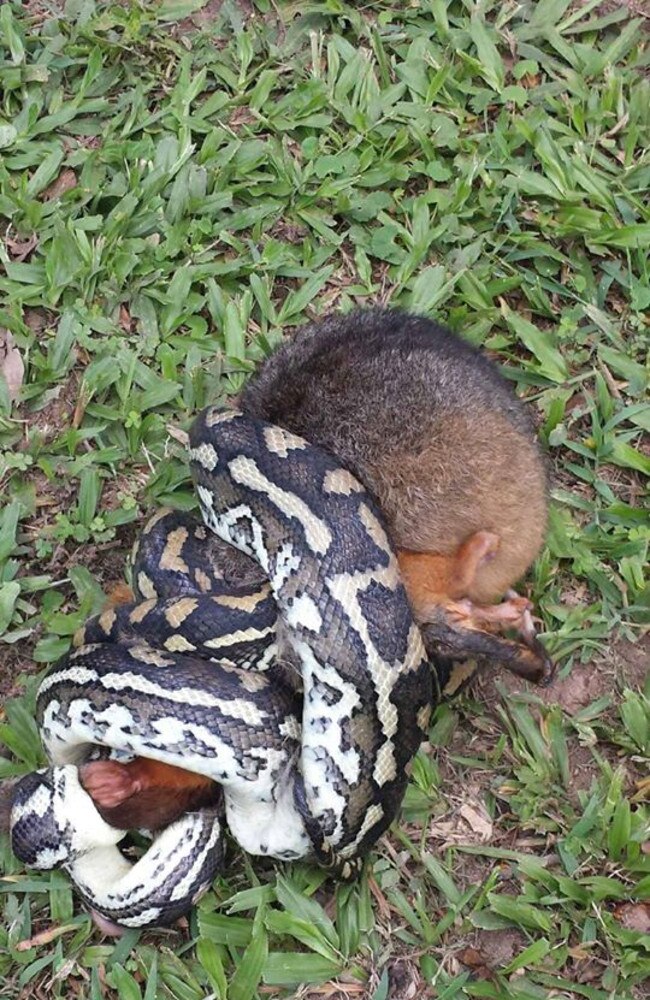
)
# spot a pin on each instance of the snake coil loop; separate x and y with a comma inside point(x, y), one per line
point(198, 680)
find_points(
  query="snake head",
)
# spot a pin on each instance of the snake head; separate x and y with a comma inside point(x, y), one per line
point(53, 821)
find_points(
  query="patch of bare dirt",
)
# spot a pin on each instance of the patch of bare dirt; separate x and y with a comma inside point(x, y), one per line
point(585, 684)
point(633, 8)
point(59, 411)
point(583, 768)
point(42, 10)
point(326, 991)
point(106, 562)
point(637, 8)
point(404, 979)
point(463, 819)
point(15, 662)
point(489, 951)
point(623, 664)
point(211, 12)
point(499, 947)
point(12, 367)
point(45, 10)
point(630, 661)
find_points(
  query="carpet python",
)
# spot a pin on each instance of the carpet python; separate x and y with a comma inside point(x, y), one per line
point(303, 689)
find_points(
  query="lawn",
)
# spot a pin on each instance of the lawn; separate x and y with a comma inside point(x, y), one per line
point(184, 182)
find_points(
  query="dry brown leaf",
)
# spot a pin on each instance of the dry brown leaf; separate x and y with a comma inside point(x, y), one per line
point(45, 937)
point(404, 980)
point(66, 181)
point(242, 116)
point(471, 957)
point(642, 794)
point(580, 952)
point(475, 960)
point(476, 816)
point(35, 318)
point(634, 916)
point(125, 319)
point(11, 364)
point(380, 899)
point(476, 827)
point(80, 408)
point(21, 249)
point(178, 435)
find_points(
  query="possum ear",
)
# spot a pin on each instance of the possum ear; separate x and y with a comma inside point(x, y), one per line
point(476, 550)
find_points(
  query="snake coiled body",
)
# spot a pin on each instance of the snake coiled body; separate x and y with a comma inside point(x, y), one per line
point(325, 779)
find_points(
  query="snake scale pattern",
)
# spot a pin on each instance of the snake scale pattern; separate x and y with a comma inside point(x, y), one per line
point(305, 696)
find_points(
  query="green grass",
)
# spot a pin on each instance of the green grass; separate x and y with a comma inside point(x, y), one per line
point(175, 200)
